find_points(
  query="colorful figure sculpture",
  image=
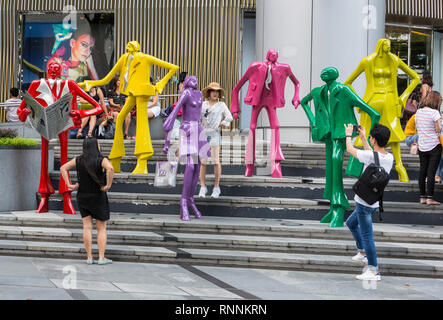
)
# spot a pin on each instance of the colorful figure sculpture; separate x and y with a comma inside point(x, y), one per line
point(266, 90)
point(46, 92)
point(135, 69)
point(193, 145)
point(334, 107)
point(380, 69)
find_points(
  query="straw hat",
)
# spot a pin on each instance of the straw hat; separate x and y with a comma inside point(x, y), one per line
point(213, 86)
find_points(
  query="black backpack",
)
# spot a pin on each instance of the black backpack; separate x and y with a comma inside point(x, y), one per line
point(371, 184)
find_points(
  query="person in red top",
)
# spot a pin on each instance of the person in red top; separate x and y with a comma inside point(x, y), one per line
point(46, 92)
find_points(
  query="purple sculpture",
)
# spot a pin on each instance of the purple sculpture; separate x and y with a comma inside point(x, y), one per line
point(193, 145)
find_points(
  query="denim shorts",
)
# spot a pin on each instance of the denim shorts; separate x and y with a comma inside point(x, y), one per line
point(214, 138)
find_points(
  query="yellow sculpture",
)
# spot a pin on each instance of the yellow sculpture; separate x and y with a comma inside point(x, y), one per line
point(381, 94)
point(135, 69)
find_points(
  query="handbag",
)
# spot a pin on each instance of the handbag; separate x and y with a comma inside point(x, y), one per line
point(410, 109)
point(414, 149)
point(166, 174)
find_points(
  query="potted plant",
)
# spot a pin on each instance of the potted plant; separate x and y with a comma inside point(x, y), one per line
point(19, 171)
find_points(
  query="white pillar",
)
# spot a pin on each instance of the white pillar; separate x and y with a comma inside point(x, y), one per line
point(311, 35)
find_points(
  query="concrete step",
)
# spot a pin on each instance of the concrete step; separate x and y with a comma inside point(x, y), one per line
point(305, 229)
point(219, 257)
point(257, 207)
point(225, 242)
point(260, 186)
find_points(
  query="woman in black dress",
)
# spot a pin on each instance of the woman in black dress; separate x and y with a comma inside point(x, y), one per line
point(92, 199)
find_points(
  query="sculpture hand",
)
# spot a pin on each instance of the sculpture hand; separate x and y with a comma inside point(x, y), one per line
point(166, 147)
point(75, 115)
point(24, 114)
point(400, 107)
point(296, 102)
point(85, 85)
point(235, 115)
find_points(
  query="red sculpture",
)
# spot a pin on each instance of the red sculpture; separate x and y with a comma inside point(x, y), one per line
point(46, 92)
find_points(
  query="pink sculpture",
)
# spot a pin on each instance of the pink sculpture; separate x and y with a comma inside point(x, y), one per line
point(266, 90)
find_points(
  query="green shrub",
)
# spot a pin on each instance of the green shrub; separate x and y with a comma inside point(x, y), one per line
point(18, 141)
point(8, 133)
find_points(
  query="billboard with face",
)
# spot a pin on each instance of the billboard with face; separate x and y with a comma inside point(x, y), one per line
point(82, 43)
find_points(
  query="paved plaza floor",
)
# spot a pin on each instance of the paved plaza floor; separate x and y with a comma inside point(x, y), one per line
point(23, 278)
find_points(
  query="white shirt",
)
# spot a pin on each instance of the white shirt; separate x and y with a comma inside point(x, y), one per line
point(367, 157)
point(11, 111)
point(425, 125)
point(212, 115)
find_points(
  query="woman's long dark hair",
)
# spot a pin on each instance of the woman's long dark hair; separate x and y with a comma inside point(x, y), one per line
point(91, 159)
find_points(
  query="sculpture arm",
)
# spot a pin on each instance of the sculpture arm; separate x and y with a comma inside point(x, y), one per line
point(163, 64)
point(354, 75)
point(305, 105)
point(169, 123)
point(76, 90)
point(22, 111)
point(359, 103)
point(87, 85)
point(415, 81)
point(296, 99)
point(235, 107)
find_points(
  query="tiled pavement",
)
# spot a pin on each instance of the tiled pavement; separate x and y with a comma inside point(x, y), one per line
point(58, 279)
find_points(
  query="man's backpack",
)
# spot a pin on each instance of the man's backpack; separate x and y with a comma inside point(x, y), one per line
point(371, 184)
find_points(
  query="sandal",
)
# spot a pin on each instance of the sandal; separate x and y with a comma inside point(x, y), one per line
point(102, 262)
point(431, 202)
point(89, 135)
point(422, 200)
point(79, 135)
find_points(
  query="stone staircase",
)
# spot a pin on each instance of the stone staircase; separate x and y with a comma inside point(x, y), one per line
point(258, 222)
point(296, 196)
point(403, 250)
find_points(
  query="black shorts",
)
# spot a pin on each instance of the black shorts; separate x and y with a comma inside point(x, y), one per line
point(95, 205)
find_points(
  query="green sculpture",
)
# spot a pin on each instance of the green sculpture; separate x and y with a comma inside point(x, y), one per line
point(334, 107)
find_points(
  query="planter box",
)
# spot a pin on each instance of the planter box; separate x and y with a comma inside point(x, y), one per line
point(20, 176)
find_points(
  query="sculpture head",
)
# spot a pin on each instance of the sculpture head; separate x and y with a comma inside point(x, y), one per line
point(329, 74)
point(53, 70)
point(272, 55)
point(133, 46)
point(191, 82)
point(383, 46)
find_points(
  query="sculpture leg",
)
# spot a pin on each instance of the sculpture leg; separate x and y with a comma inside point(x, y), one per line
point(62, 188)
point(187, 189)
point(327, 194)
point(45, 188)
point(143, 145)
point(276, 154)
point(402, 174)
point(118, 147)
point(250, 148)
point(191, 203)
point(339, 201)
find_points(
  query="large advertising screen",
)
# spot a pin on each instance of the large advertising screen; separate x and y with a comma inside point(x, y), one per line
point(82, 42)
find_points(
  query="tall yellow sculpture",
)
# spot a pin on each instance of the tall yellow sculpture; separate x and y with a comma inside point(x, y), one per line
point(135, 69)
point(381, 94)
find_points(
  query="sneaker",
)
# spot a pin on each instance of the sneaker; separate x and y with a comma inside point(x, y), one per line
point(369, 276)
point(203, 191)
point(359, 257)
point(215, 193)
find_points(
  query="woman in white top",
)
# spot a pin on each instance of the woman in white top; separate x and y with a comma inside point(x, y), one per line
point(427, 123)
point(213, 112)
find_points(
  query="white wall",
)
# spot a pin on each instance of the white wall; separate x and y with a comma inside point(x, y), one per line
point(437, 68)
point(311, 35)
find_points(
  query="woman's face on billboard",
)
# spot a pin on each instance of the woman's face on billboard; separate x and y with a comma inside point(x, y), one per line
point(82, 47)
